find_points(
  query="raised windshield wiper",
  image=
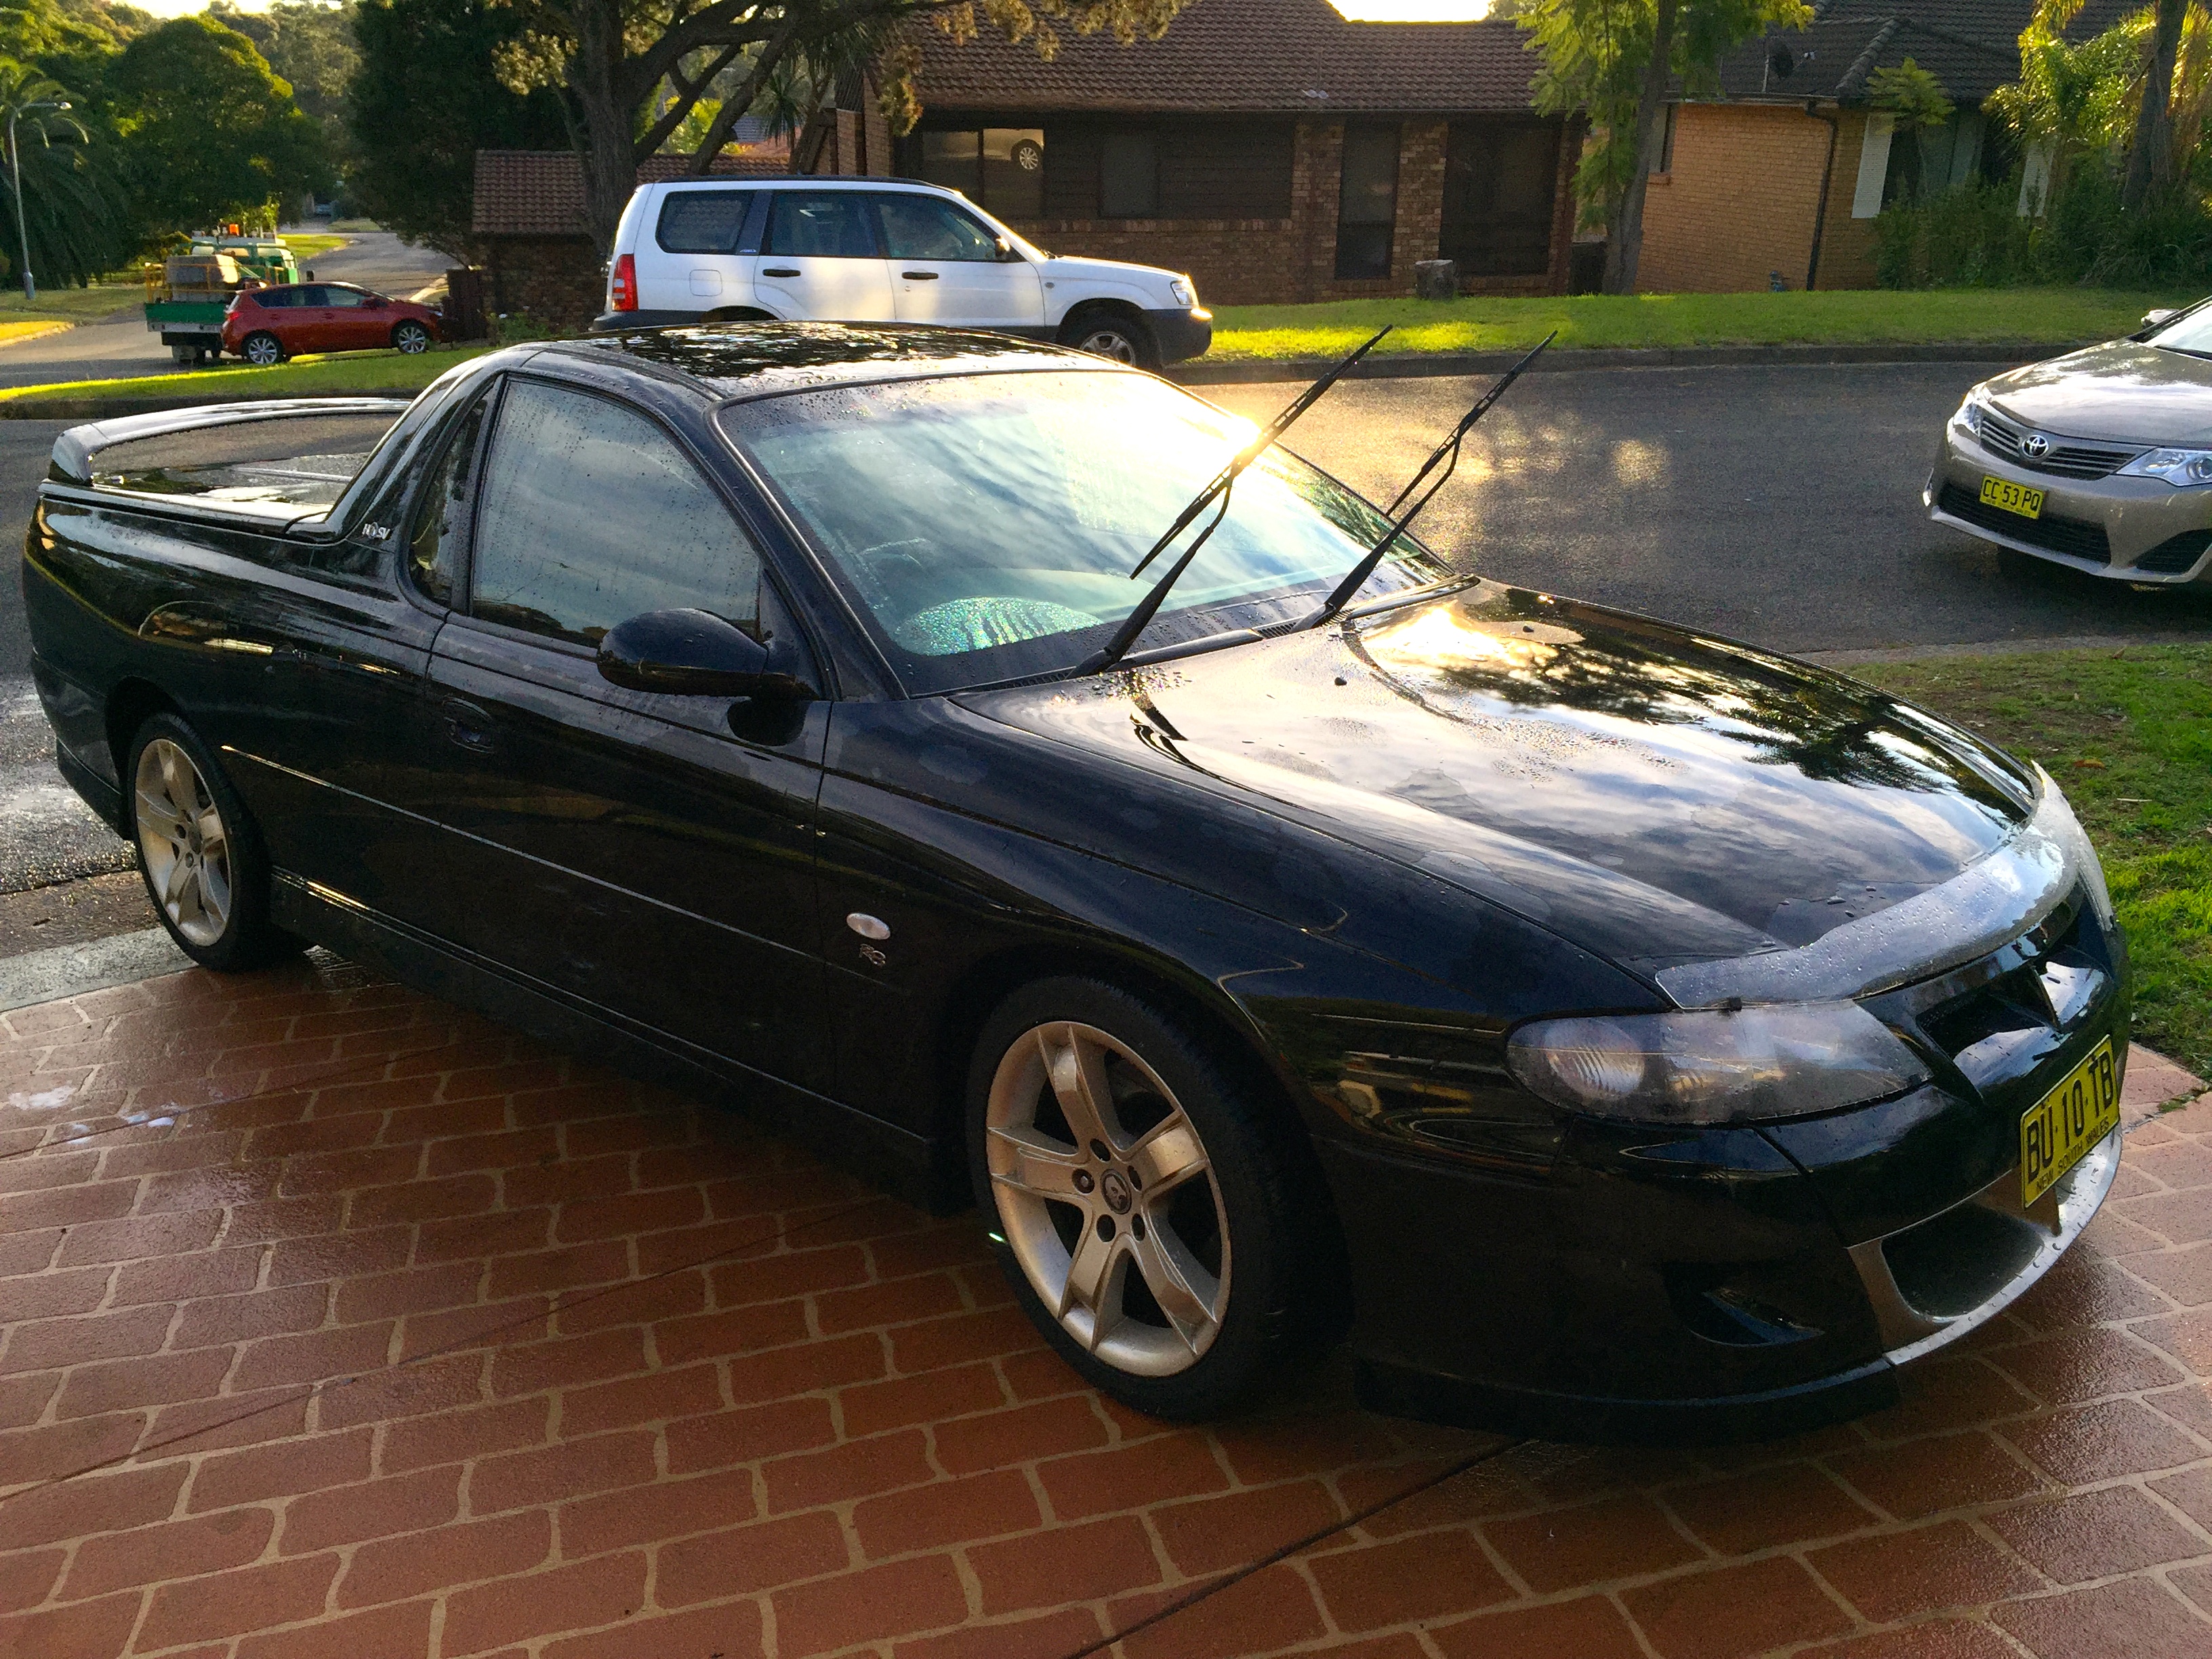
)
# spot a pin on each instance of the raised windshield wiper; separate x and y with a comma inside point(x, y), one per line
point(1356, 577)
point(1138, 620)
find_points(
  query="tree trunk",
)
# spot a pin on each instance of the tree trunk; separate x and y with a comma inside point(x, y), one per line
point(608, 152)
point(2150, 152)
point(1626, 244)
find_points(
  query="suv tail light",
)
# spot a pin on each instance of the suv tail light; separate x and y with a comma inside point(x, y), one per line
point(621, 287)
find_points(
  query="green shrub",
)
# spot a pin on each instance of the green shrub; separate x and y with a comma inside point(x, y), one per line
point(1974, 237)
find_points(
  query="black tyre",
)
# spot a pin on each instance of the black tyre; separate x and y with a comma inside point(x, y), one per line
point(1121, 335)
point(1157, 1227)
point(263, 349)
point(411, 337)
point(199, 852)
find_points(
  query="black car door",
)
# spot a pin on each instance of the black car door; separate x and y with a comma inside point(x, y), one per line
point(649, 853)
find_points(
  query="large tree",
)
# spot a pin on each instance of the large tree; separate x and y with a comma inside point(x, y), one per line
point(309, 46)
point(208, 132)
point(70, 208)
point(631, 72)
point(1618, 62)
point(422, 100)
point(2150, 147)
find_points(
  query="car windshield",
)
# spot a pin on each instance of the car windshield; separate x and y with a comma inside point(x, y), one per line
point(986, 524)
point(2192, 332)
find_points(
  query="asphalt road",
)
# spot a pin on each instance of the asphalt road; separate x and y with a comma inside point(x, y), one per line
point(121, 346)
point(1781, 505)
point(1777, 505)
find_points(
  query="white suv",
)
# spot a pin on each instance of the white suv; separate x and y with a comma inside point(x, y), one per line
point(880, 250)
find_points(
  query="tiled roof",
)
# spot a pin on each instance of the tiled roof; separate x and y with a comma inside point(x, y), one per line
point(540, 192)
point(1972, 47)
point(1244, 56)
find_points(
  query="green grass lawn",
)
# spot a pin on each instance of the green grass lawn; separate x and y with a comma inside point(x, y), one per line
point(353, 372)
point(1847, 317)
point(305, 247)
point(2127, 734)
point(72, 305)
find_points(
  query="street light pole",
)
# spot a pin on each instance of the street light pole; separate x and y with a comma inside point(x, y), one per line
point(16, 167)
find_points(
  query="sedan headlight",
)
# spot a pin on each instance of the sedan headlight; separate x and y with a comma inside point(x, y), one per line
point(1970, 413)
point(2178, 467)
point(1788, 1060)
point(1182, 293)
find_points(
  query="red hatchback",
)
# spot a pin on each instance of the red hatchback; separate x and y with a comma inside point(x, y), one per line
point(265, 325)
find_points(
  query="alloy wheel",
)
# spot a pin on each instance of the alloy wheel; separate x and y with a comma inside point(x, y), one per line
point(411, 338)
point(184, 842)
point(1107, 1199)
point(1112, 343)
point(263, 352)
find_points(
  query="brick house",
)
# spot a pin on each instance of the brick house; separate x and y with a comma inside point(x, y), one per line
point(1780, 176)
point(1272, 148)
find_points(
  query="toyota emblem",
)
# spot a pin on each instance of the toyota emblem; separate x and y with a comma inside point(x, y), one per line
point(2035, 446)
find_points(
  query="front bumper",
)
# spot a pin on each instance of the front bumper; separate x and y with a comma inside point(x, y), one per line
point(1651, 1284)
point(1181, 334)
point(2137, 529)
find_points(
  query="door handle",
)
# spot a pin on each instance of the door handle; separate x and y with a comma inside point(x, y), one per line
point(780, 270)
point(469, 727)
point(918, 276)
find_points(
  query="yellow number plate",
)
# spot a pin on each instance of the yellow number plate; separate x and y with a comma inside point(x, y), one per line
point(2012, 497)
point(2068, 1121)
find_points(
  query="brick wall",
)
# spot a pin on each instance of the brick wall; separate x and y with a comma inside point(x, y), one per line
point(555, 278)
point(1740, 199)
point(1288, 261)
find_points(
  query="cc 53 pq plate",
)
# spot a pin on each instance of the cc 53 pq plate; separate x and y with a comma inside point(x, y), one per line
point(2012, 497)
point(2068, 1121)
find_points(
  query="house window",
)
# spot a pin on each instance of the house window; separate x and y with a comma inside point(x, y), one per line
point(1667, 139)
point(1001, 169)
point(1367, 210)
point(1129, 176)
point(1500, 180)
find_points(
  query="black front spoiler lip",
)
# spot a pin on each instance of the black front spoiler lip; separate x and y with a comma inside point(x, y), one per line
point(1401, 1391)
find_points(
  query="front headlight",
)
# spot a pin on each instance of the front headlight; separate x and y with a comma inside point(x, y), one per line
point(1183, 294)
point(2178, 467)
point(1969, 413)
point(1786, 1060)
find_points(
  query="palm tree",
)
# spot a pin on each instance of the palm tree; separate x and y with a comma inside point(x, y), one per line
point(66, 210)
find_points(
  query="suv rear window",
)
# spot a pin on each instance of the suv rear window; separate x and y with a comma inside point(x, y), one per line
point(703, 221)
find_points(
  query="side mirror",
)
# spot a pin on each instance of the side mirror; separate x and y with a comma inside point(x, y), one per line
point(2159, 319)
point(694, 655)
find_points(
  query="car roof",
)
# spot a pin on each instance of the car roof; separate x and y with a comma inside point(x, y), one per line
point(798, 181)
point(751, 360)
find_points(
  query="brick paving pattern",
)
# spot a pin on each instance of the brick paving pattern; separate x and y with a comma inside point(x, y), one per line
point(340, 1323)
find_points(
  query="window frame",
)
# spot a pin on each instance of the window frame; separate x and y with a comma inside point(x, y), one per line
point(1389, 226)
point(819, 658)
point(996, 237)
point(867, 212)
point(416, 498)
point(744, 243)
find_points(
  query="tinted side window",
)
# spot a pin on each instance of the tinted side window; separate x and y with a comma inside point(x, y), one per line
point(828, 224)
point(591, 515)
point(440, 527)
point(278, 299)
point(924, 228)
point(343, 296)
point(703, 221)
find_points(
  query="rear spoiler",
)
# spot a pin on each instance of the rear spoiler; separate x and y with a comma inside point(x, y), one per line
point(74, 449)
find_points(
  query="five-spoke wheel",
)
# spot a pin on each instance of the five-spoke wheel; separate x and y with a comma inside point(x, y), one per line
point(183, 841)
point(1107, 1199)
point(198, 851)
point(1123, 1155)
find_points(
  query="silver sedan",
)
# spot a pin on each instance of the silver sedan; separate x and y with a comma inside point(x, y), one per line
point(2100, 459)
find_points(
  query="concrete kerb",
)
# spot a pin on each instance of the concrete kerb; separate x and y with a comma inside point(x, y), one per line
point(1238, 371)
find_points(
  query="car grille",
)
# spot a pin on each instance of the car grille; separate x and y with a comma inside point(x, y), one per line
point(2176, 553)
point(2068, 460)
point(2068, 536)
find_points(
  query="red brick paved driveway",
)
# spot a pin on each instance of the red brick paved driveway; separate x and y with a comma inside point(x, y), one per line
point(339, 1323)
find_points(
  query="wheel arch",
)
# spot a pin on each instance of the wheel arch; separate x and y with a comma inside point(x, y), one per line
point(1102, 305)
point(738, 315)
point(131, 703)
